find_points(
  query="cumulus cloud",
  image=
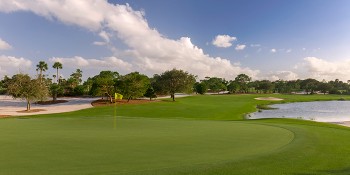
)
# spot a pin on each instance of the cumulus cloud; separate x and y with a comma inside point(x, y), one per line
point(4, 45)
point(273, 50)
point(240, 47)
point(282, 75)
point(223, 41)
point(111, 63)
point(10, 65)
point(329, 70)
point(148, 50)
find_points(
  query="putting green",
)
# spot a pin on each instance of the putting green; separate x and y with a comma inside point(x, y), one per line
point(108, 145)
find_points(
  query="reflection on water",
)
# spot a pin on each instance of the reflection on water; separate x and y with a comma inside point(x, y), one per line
point(323, 111)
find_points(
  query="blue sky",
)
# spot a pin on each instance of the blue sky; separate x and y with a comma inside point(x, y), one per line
point(269, 39)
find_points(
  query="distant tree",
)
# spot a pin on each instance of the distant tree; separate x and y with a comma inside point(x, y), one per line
point(325, 87)
point(57, 65)
point(88, 85)
point(75, 78)
point(150, 93)
point(215, 84)
point(4, 84)
point(174, 81)
point(233, 87)
point(265, 86)
point(243, 80)
point(309, 85)
point(55, 90)
point(22, 86)
point(133, 85)
point(201, 88)
point(42, 67)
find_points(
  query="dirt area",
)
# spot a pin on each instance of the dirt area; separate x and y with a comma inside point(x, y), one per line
point(32, 111)
point(104, 102)
point(269, 98)
point(4, 116)
point(51, 102)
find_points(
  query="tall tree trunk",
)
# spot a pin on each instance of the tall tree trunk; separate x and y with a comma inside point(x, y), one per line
point(54, 97)
point(173, 96)
point(28, 105)
point(41, 75)
point(129, 99)
point(57, 77)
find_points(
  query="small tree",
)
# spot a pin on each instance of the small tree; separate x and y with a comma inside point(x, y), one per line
point(173, 81)
point(201, 88)
point(22, 86)
point(55, 90)
point(150, 93)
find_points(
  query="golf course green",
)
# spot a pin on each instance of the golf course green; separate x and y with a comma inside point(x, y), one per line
point(194, 135)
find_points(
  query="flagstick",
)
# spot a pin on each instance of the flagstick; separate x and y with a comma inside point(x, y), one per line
point(115, 113)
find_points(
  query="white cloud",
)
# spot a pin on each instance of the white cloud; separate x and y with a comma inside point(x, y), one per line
point(223, 41)
point(282, 75)
point(105, 36)
point(240, 47)
point(289, 51)
point(273, 50)
point(10, 65)
point(149, 51)
point(99, 43)
point(4, 45)
point(112, 63)
point(321, 69)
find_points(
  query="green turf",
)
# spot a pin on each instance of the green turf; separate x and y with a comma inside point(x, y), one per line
point(168, 138)
point(100, 146)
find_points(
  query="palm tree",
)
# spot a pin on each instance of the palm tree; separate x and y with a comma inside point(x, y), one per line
point(42, 66)
point(57, 65)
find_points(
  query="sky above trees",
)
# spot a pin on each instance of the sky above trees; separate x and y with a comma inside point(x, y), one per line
point(263, 39)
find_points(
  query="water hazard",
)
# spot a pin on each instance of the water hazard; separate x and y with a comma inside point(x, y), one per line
point(323, 111)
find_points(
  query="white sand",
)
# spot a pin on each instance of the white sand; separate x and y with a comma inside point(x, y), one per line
point(10, 106)
point(344, 123)
point(268, 98)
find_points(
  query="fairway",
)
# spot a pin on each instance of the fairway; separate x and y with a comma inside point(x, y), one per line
point(93, 145)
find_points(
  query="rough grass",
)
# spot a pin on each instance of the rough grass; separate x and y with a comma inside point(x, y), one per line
point(175, 138)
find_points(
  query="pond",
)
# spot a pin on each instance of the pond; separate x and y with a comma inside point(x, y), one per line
point(323, 111)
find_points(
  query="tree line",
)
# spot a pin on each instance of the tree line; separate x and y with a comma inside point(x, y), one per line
point(136, 85)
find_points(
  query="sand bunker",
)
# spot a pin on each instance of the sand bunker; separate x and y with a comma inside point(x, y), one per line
point(268, 98)
point(14, 107)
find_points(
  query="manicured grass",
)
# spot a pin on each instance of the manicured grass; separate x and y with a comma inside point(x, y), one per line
point(97, 145)
point(208, 107)
point(183, 137)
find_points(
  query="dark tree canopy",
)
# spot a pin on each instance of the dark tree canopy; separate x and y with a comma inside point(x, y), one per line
point(201, 88)
point(133, 85)
point(103, 84)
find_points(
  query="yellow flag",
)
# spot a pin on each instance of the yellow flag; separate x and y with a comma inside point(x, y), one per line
point(118, 96)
